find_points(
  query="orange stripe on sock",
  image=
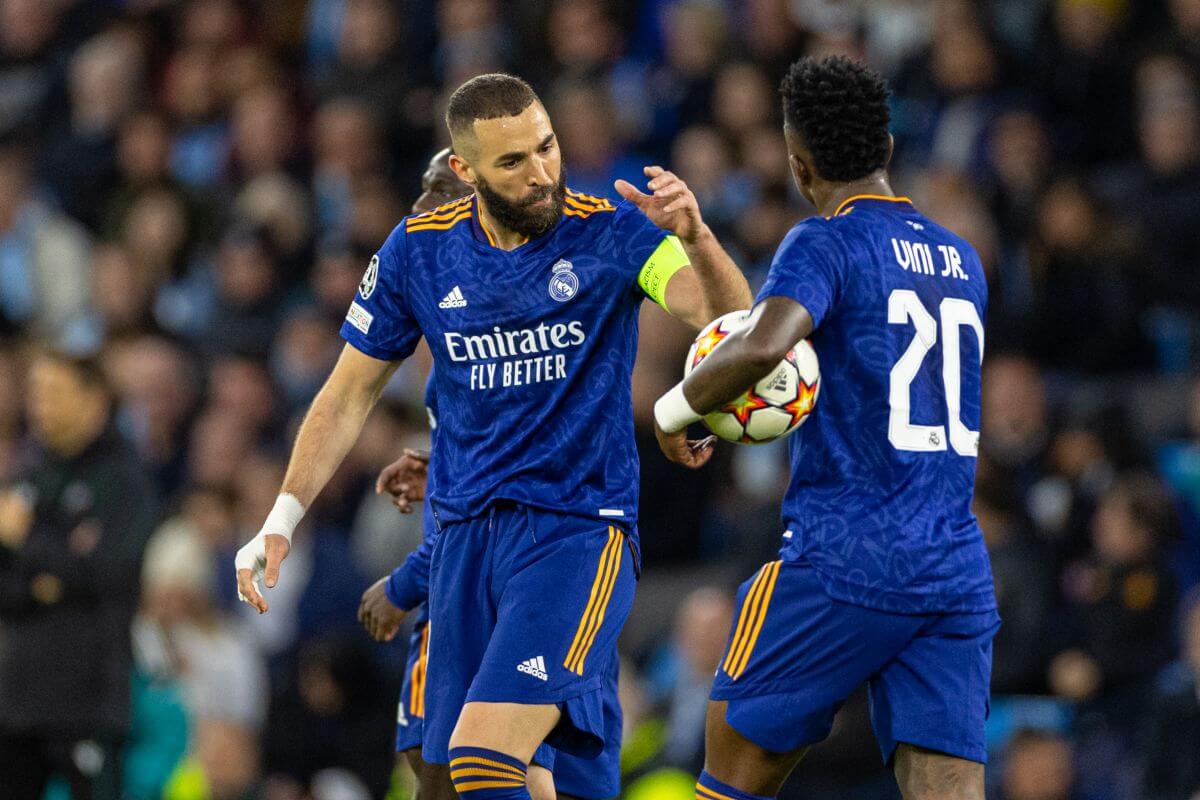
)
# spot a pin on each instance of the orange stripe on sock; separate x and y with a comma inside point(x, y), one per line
point(478, 761)
point(475, 785)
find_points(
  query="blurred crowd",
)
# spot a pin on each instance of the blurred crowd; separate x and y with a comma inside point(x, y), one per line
point(190, 191)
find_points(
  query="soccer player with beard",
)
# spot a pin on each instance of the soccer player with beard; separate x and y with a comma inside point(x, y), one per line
point(387, 602)
point(528, 295)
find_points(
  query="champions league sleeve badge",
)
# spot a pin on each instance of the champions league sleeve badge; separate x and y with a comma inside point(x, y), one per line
point(564, 284)
point(367, 285)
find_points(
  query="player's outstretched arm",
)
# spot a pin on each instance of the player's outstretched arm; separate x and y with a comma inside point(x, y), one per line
point(747, 356)
point(712, 285)
point(327, 433)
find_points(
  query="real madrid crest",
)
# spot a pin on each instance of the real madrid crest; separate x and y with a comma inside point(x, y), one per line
point(564, 284)
point(367, 285)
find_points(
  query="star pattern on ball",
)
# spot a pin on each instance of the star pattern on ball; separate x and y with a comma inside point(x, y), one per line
point(705, 344)
point(745, 405)
point(802, 406)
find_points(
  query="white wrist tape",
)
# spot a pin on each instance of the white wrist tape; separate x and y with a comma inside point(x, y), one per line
point(672, 411)
point(284, 517)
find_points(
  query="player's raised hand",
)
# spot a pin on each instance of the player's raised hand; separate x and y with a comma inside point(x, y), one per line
point(404, 479)
point(691, 453)
point(378, 615)
point(260, 558)
point(670, 204)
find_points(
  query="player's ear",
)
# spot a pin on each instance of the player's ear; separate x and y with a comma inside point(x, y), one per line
point(891, 149)
point(462, 170)
point(801, 174)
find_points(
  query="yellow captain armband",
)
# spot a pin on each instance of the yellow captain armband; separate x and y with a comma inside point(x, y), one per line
point(667, 259)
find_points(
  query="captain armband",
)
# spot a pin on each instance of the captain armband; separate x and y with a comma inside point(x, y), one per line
point(667, 259)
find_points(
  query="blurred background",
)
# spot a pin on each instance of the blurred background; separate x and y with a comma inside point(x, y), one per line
point(191, 189)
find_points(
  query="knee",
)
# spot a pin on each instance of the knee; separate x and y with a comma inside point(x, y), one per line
point(943, 793)
point(926, 775)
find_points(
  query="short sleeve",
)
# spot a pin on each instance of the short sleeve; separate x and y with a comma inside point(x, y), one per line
point(809, 267)
point(635, 237)
point(380, 321)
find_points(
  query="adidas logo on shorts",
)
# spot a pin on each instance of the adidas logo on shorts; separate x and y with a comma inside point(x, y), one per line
point(535, 667)
point(453, 300)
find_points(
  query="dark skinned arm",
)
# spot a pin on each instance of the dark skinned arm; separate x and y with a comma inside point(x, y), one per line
point(743, 359)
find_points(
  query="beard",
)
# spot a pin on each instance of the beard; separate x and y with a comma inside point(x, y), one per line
point(523, 216)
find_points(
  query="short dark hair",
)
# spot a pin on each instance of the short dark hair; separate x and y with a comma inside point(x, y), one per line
point(487, 97)
point(840, 108)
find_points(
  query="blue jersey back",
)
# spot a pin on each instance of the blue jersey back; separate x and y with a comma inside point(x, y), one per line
point(533, 349)
point(883, 473)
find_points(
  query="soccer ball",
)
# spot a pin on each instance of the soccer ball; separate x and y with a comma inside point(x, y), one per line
point(773, 407)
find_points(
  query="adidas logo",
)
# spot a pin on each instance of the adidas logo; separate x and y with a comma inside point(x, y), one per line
point(535, 667)
point(453, 300)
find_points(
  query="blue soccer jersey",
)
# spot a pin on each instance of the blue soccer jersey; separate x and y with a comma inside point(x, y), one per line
point(533, 347)
point(883, 473)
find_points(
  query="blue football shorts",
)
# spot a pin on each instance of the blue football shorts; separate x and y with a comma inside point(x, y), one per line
point(795, 654)
point(525, 607)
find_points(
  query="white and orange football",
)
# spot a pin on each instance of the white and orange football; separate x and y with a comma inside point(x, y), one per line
point(773, 407)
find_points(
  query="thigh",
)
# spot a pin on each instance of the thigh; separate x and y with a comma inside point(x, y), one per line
point(935, 692)
point(794, 655)
point(462, 617)
point(558, 618)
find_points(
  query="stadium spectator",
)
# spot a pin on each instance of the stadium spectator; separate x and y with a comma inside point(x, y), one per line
point(224, 682)
point(1024, 589)
point(43, 254)
point(700, 643)
point(72, 531)
point(1037, 765)
point(1119, 603)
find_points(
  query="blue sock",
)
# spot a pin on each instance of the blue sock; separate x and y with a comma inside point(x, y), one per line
point(709, 788)
point(480, 774)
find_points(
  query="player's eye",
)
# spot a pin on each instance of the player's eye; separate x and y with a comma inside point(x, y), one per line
point(547, 147)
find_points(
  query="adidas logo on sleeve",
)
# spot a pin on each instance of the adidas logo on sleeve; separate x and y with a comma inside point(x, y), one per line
point(535, 667)
point(453, 300)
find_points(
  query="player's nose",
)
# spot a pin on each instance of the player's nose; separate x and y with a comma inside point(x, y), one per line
point(539, 176)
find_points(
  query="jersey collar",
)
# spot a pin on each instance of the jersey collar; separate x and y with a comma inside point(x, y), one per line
point(479, 228)
point(849, 203)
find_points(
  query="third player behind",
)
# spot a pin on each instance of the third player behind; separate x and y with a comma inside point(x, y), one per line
point(883, 577)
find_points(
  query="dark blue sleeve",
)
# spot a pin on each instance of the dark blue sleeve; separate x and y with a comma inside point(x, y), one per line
point(809, 267)
point(635, 237)
point(380, 321)
point(408, 585)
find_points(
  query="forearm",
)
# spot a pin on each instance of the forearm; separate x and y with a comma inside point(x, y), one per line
point(722, 284)
point(408, 585)
point(726, 373)
point(744, 358)
point(329, 430)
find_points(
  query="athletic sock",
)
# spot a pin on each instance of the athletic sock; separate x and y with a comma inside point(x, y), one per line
point(709, 788)
point(481, 774)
